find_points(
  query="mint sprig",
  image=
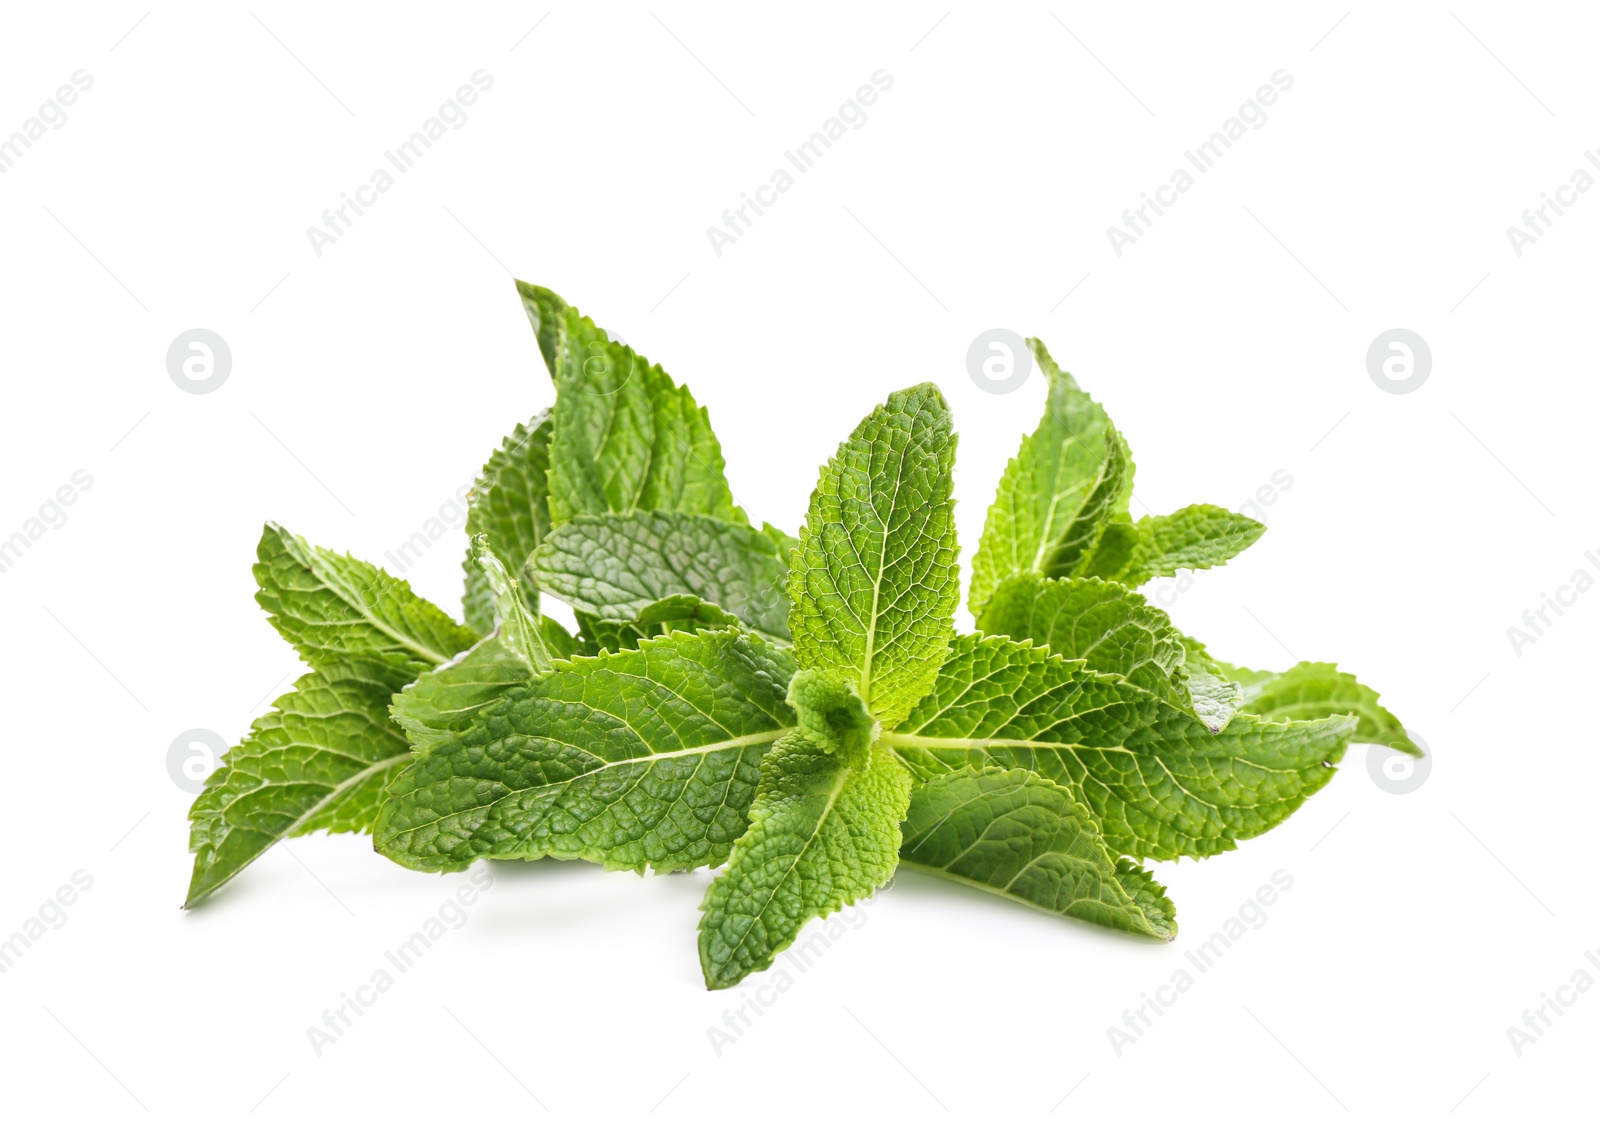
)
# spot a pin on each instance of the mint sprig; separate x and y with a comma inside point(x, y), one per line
point(797, 711)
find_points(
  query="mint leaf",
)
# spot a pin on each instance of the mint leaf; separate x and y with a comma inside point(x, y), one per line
point(334, 608)
point(1213, 694)
point(547, 313)
point(520, 631)
point(1014, 833)
point(1317, 690)
point(1159, 782)
point(634, 759)
point(445, 700)
point(613, 566)
point(1106, 625)
point(318, 761)
point(442, 702)
point(626, 438)
point(1196, 537)
point(1113, 629)
point(824, 831)
point(510, 504)
point(1058, 493)
point(874, 585)
point(682, 613)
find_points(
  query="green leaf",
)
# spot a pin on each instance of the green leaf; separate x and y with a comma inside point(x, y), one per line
point(445, 700)
point(613, 566)
point(633, 759)
point(1014, 833)
point(683, 613)
point(520, 631)
point(874, 585)
point(1058, 494)
point(626, 437)
point(1160, 783)
point(1213, 694)
point(1318, 690)
point(823, 832)
point(319, 760)
point(334, 608)
point(1113, 629)
point(1108, 626)
point(547, 313)
point(1196, 537)
point(510, 503)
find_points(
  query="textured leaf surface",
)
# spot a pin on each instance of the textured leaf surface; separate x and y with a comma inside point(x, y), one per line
point(1014, 833)
point(319, 760)
point(1318, 690)
point(1192, 538)
point(520, 631)
point(683, 613)
point(875, 587)
point(1057, 494)
point(612, 567)
point(1106, 625)
point(510, 503)
point(626, 437)
point(1159, 782)
point(334, 608)
point(641, 758)
point(823, 832)
point(445, 700)
point(1113, 629)
point(1213, 694)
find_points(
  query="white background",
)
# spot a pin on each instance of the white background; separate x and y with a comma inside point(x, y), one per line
point(369, 383)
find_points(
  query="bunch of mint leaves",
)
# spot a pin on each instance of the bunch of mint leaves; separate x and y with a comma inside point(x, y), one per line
point(799, 712)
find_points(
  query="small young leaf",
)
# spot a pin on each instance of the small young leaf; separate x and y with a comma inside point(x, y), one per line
point(1196, 537)
point(1014, 833)
point(633, 759)
point(1159, 782)
point(682, 613)
point(1058, 493)
point(613, 566)
point(520, 631)
point(1106, 625)
point(510, 503)
point(319, 760)
point(444, 701)
point(874, 588)
point(1317, 690)
point(334, 608)
point(626, 438)
point(824, 831)
point(1113, 629)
